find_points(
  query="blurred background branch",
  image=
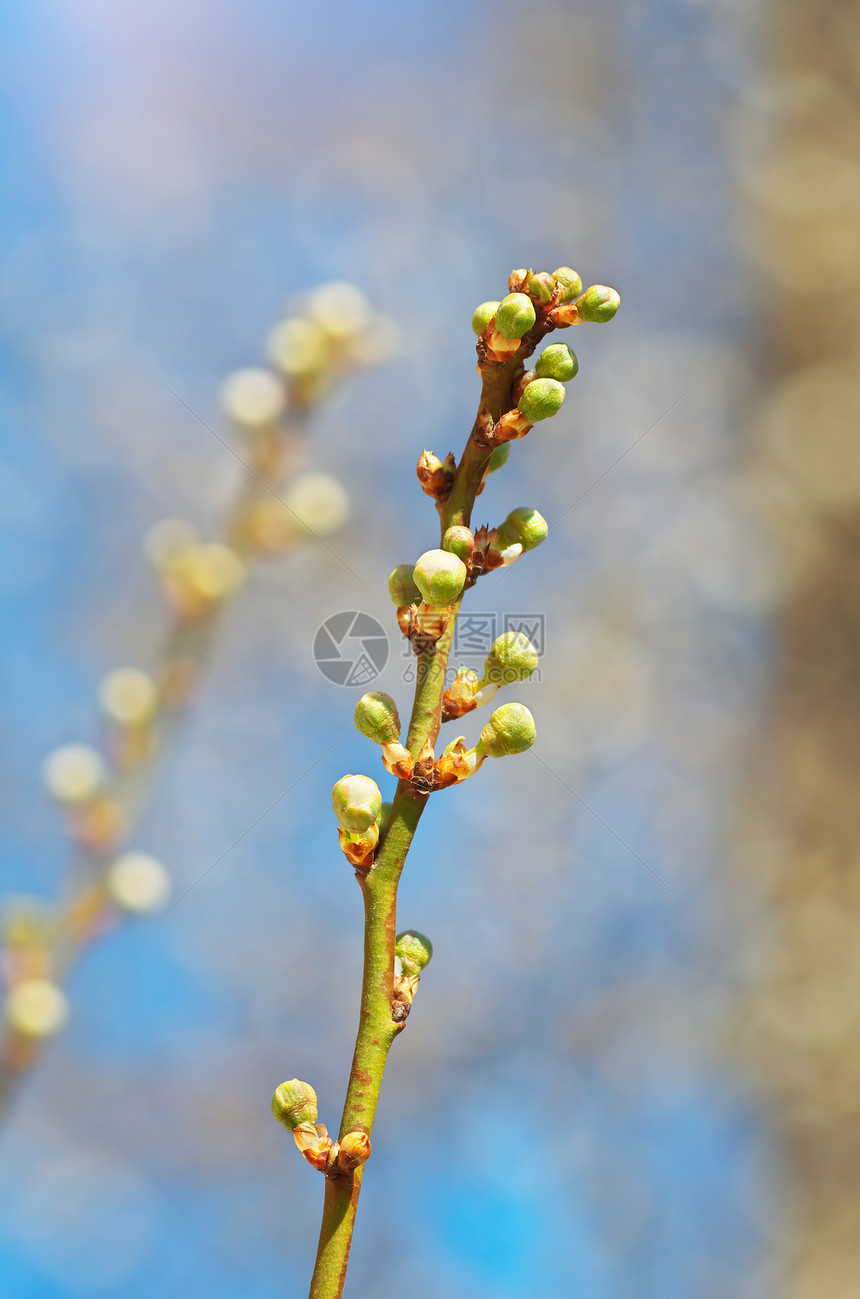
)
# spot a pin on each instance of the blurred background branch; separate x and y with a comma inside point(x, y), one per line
point(104, 795)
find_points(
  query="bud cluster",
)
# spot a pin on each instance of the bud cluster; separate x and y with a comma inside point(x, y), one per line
point(294, 1105)
point(537, 302)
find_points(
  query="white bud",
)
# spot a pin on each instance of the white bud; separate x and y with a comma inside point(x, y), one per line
point(298, 346)
point(36, 1007)
point(319, 502)
point(253, 398)
point(128, 696)
point(138, 883)
point(73, 773)
point(340, 308)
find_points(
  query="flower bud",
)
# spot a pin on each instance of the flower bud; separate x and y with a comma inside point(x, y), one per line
point(36, 1007)
point(511, 658)
point(353, 1151)
point(459, 541)
point(523, 526)
point(298, 346)
point(73, 773)
point(540, 287)
point(357, 803)
point(376, 716)
point(402, 588)
point(414, 951)
point(557, 362)
point(340, 308)
point(541, 399)
point(515, 316)
point(482, 316)
point(511, 729)
point(499, 457)
point(440, 577)
point(318, 502)
point(128, 696)
point(137, 883)
point(294, 1103)
point(571, 283)
point(253, 399)
point(203, 576)
point(598, 304)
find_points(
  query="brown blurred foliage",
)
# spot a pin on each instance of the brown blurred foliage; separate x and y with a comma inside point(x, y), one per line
point(800, 1012)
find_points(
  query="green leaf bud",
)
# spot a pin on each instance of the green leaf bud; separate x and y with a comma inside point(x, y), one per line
point(557, 362)
point(515, 316)
point(376, 716)
point(571, 283)
point(541, 399)
point(511, 729)
point(357, 803)
point(483, 315)
point(459, 541)
point(440, 577)
point(402, 588)
point(499, 457)
point(294, 1103)
point(540, 287)
point(414, 951)
point(598, 304)
point(511, 658)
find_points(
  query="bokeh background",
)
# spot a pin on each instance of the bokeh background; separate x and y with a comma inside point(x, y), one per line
point(633, 1065)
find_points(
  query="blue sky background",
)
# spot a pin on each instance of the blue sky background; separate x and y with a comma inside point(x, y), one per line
point(558, 1118)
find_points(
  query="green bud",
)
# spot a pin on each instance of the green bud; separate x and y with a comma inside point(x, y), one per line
point(511, 729)
point(525, 526)
point(440, 577)
point(541, 399)
point(540, 287)
point(570, 282)
point(294, 1103)
point(511, 658)
point(357, 803)
point(376, 716)
point(459, 541)
point(515, 316)
point(414, 950)
point(557, 362)
point(598, 304)
point(483, 315)
point(499, 457)
point(402, 588)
